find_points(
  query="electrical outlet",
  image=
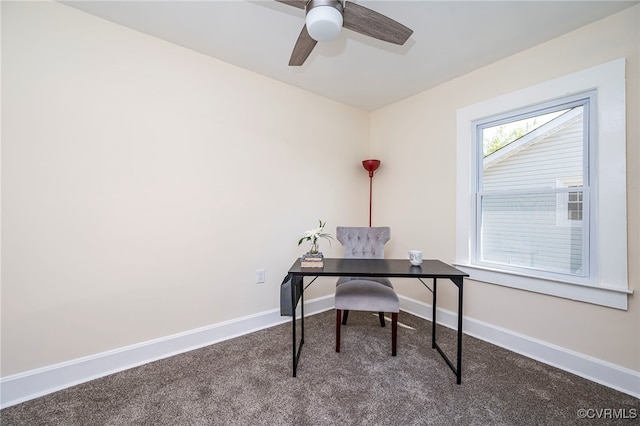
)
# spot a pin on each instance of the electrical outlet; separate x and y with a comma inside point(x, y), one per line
point(260, 276)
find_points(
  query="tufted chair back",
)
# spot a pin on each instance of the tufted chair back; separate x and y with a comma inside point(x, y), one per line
point(363, 242)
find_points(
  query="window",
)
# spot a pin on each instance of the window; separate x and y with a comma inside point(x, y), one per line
point(541, 188)
point(531, 184)
point(574, 207)
point(570, 204)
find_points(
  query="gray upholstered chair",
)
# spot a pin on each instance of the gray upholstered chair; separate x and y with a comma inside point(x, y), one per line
point(363, 243)
point(373, 294)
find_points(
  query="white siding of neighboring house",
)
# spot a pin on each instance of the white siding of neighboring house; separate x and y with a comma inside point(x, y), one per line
point(524, 230)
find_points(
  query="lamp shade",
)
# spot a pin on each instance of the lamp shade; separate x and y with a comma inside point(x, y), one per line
point(371, 166)
point(324, 23)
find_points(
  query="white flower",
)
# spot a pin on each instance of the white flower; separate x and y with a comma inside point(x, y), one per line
point(314, 234)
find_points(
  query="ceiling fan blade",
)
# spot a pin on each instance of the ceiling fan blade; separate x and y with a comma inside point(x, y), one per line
point(302, 49)
point(373, 24)
point(300, 4)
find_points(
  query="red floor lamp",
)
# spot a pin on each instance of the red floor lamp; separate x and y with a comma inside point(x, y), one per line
point(370, 166)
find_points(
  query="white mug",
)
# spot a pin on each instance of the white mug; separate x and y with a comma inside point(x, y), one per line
point(415, 257)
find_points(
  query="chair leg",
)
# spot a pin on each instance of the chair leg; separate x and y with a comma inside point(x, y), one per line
point(344, 317)
point(338, 322)
point(381, 316)
point(394, 333)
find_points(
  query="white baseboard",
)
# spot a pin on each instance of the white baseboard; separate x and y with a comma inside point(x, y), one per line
point(599, 371)
point(42, 381)
point(35, 383)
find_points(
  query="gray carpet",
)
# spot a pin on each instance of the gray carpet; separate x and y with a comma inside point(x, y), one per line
point(247, 381)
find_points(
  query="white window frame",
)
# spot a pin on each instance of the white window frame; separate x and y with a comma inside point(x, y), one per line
point(607, 284)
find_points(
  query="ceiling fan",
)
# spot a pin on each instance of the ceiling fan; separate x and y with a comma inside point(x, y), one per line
point(325, 18)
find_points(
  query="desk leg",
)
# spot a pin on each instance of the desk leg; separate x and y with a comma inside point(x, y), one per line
point(301, 314)
point(293, 325)
point(457, 369)
point(297, 348)
point(293, 343)
point(459, 363)
point(433, 314)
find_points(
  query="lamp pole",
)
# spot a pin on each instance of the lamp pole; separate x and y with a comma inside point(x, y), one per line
point(370, 166)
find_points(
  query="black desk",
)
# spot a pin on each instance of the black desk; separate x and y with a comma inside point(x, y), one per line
point(392, 268)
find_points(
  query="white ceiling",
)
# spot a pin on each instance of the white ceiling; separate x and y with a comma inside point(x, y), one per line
point(450, 38)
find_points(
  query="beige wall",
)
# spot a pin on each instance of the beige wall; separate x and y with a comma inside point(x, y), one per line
point(416, 138)
point(143, 184)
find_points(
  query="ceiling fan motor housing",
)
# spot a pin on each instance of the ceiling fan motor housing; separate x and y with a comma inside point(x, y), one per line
point(324, 19)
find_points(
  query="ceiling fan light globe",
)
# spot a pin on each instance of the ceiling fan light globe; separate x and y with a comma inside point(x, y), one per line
point(324, 23)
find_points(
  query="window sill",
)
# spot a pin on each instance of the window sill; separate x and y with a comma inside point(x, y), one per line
point(612, 297)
